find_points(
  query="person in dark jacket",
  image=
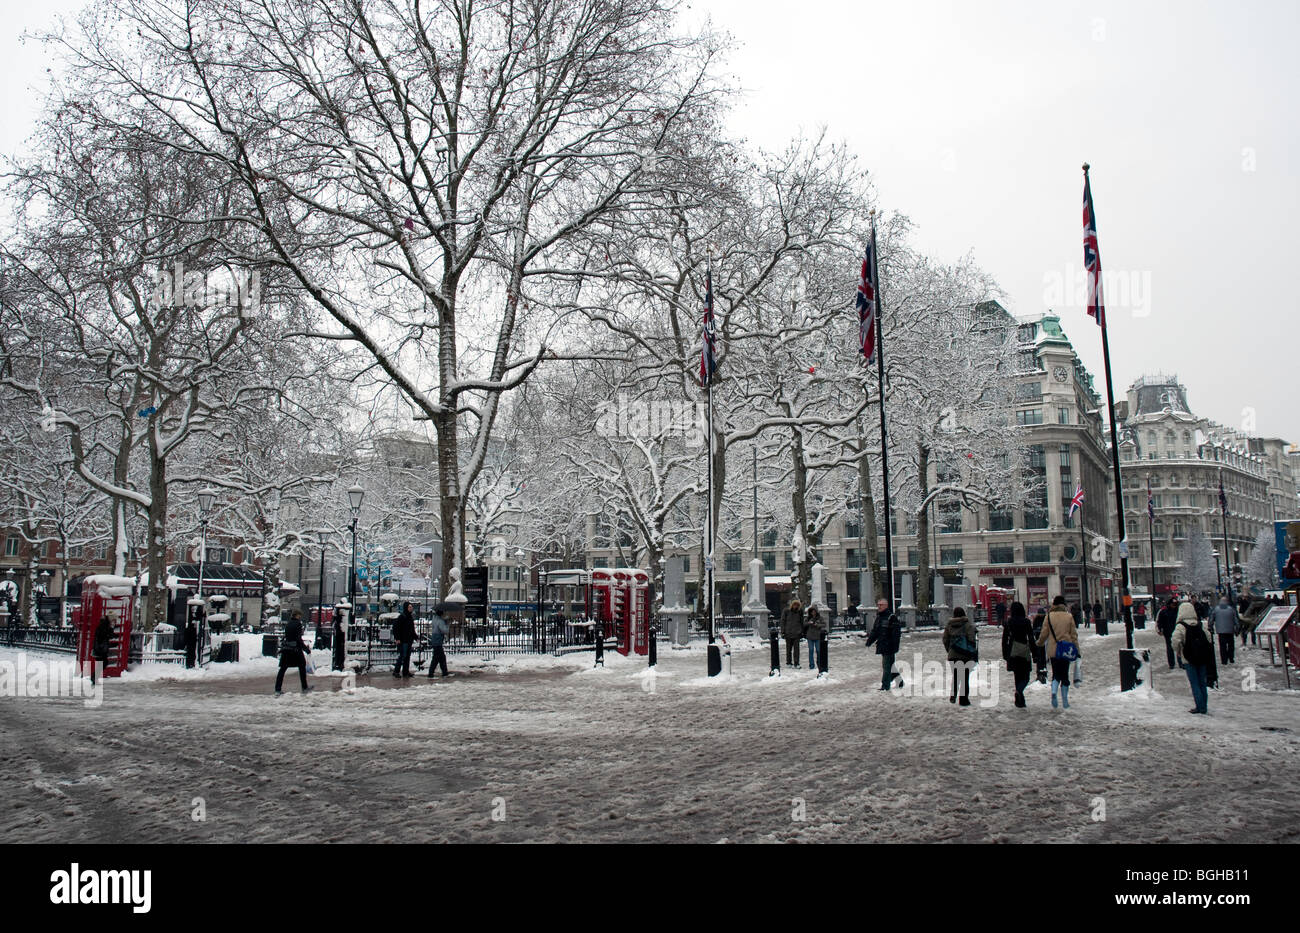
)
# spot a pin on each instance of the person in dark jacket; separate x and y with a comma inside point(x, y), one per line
point(813, 631)
point(338, 640)
point(438, 630)
point(1017, 639)
point(1097, 611)
point(293, 653)
point(1225, 620)
point(1166, 619)
point(960, 628)
point(404, 635)
point(101, 646)
point(886, 635)
point(1040, 653)
point(792, 628)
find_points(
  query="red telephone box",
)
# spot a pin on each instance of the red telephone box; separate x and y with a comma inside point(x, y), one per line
point(105, 596)
point(639, 610)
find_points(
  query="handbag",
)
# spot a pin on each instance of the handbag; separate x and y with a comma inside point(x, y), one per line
point(1020, 649)
point(1065, 650)
point(962, 645)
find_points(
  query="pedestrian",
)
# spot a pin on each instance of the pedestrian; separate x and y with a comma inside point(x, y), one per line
point(404, 635)
point(1060, 638)
point(1082, 617)
point(886, 635)
point(1000, 610)
point(100, 646)
point(792, 628)
point(962, 643)
point(1076, 666)
point(813, 631)
point(1098, 613)
point(1140, 616)
point(293, 653)
point(338, 639)
point(1016, 638)
point(1040, 653)
point(1226, 621)
point(438, 630)
point(1165, 622)
point(1192, 645)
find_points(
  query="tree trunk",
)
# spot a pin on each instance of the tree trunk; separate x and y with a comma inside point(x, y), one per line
point(923, 531)
point(156, 595)
point(798, 501)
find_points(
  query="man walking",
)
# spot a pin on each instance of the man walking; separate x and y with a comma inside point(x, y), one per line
point(885, 635)
point(792, 628)
point(1225, 626)
point(1165, 622)
point(404, 635)
point(293, 653)
point(437, 634)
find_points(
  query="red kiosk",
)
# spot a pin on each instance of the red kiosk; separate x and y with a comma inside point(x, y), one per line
point(620, 601)
point(105, 596)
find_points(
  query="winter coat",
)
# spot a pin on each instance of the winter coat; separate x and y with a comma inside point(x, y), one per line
point(438, 631)
point(103, 639)
point(1225, 620)
point(404, 628)
point(956, 626)
point(1166, 621)
point(886, 634)
point(1059, 626)
point(1017, 629)
point(1097, 611)
point(815, 628)
point(792, 623)
point(1186, 617)
point(293, 647)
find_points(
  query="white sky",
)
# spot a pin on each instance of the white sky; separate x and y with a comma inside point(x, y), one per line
point(975, 118)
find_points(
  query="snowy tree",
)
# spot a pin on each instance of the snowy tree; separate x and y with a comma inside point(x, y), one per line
point(1262, 566)
point(1198, 572)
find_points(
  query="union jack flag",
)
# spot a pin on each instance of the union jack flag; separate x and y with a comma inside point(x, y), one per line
point(1091, 255)
point(708, 350)
point(866, 303)
point(1151, 505)
point(1077, 502)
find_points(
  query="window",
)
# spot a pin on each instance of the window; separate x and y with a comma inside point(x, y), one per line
point(852, 528)
point(11, 546)
point(686, 563)
point(1062, 416)
point(600, 562)
point(949, 556)
point(949, 518)
point(1001, 520)
point(769, 537)
point(913, 557)
point(1002, 555)
point(769, 561)
point(1038, 553)
point(733, 562)
point(1065, 458)
point(1029, 391)
point(1033, 416)
point(789, 561)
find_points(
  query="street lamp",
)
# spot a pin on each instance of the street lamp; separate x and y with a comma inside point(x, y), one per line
point(207, 496)
point(1218, 575)
point(519, 587)
point(355, 496)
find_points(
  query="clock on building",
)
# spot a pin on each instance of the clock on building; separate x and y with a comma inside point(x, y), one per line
point(1062, 374)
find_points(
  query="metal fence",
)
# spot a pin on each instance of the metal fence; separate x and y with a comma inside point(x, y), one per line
point(44, 638)
point(485, 639)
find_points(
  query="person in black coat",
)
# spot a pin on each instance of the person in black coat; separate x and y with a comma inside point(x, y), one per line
point(404, 635)
point(886, 635)
point(1017, 649)
point(337, 641)
point(293, 653)
point(1166, 620)
point(1039, 652)
point(100, 647)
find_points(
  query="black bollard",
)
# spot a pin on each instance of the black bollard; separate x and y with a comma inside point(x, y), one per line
point(654, 648)
point(600, 645)
point(823, 664)
point(774, 640)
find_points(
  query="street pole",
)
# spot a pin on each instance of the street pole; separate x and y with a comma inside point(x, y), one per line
point(879, 298)
point(1223, 505)
point(1083, 552)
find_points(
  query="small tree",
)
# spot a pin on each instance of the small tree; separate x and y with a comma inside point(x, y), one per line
point(1198, 572)
point(1262, 566)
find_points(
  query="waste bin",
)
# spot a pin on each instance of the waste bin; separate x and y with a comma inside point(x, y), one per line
point(1130, 662)
point(719, 658)
point(1103, 627)
point(227, 652)
point(270, 646)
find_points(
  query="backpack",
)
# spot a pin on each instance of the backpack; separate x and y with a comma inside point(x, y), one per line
point(1196, 646)
point(964, 646)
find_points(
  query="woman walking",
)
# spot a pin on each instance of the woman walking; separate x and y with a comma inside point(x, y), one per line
point(961, 641)
point(293, 653)
point(1017, 637)
point(1061, 639)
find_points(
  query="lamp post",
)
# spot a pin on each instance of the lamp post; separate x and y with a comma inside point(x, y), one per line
point(1218, 575)
point(207, 496)
point(519, 561)
point(355, 497)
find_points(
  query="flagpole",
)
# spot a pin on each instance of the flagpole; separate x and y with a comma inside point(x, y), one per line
point(1223, 507)
point(708, 546)
point(1083, 550)
point(880, 386)
point(1114, 443)
point(1151, 539)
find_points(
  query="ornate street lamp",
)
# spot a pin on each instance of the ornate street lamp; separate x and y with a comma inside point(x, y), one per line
point(207, 496)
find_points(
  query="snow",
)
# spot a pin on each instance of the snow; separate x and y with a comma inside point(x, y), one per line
point(621, 753)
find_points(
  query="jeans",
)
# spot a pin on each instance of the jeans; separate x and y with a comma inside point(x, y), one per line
point(1169, 650)
point(812, 653)
point(1076, 670)
point(439, 658)
point(964, 668)
point(887, 671)
point(1227, 649)
point(403, 665)
point(791, 651)
point(1196, 676)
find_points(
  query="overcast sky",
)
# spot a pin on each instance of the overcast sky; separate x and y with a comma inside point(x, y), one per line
point(975, 119)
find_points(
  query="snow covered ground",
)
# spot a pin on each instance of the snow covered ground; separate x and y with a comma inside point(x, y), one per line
point(550, 749)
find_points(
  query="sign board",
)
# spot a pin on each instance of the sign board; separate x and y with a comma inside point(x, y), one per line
point(1274, 620)
point(1287, 539)
point(475, 586)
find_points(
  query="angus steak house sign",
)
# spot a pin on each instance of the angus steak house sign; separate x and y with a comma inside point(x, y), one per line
point(1017, 571)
